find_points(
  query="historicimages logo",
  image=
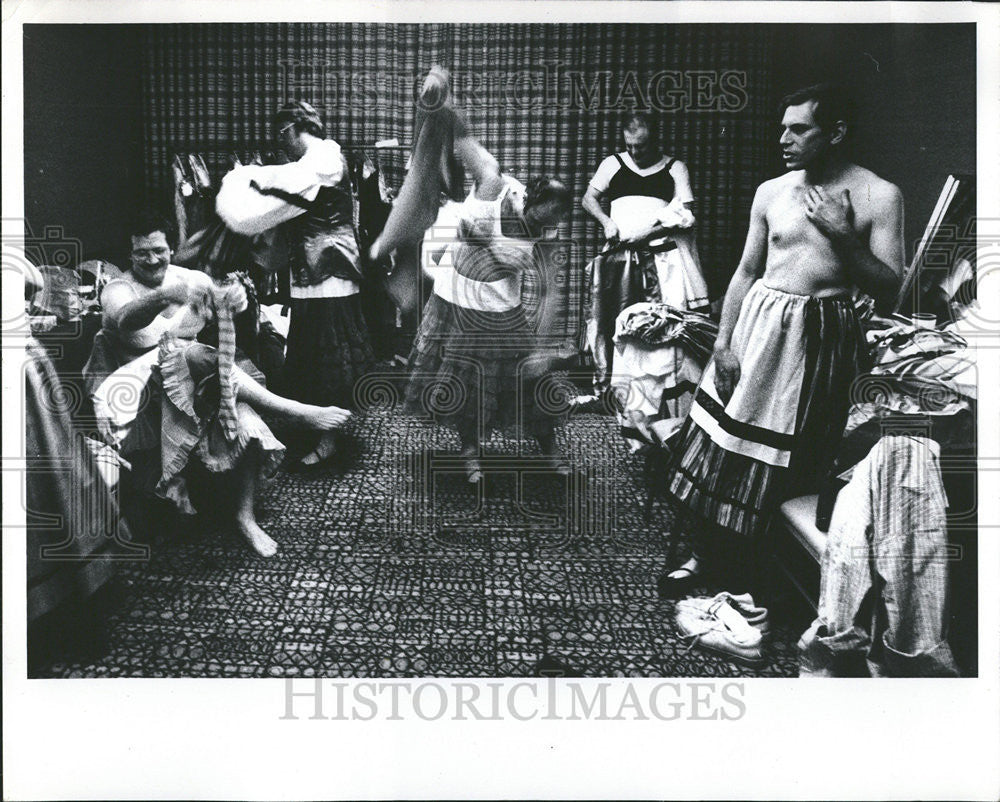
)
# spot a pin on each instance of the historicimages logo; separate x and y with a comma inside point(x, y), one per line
point(547, 699)
point(550, 85)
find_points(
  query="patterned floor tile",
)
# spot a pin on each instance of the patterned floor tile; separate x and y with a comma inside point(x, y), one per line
point(397, 568)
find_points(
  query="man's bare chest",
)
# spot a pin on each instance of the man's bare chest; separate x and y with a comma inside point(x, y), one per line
point(789, 225)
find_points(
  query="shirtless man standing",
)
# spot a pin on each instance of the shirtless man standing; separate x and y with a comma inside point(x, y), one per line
point(773, 401)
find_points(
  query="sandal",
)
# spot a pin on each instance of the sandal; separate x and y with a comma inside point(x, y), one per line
point(321, 463)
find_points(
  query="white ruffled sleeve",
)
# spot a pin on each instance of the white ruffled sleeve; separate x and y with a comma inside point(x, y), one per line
point(247, 210)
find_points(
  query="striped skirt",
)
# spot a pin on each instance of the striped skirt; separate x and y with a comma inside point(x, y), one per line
point(777, 435)
point(161, 412)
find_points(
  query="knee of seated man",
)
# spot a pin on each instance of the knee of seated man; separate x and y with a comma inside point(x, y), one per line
point(203, 365)
point(202, 361)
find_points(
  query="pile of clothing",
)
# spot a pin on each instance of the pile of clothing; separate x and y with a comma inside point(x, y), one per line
point(660, 324)
point(916, 371)
point(893, 556)
point(660, 353)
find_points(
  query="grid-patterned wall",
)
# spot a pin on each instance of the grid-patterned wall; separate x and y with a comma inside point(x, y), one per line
point(546, 99)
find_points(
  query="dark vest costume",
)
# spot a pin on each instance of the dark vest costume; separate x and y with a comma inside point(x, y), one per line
point(628, 182)
point(322, 241)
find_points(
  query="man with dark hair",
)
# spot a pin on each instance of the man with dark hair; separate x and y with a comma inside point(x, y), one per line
point(832, 103)
point(310, 199)
point(147, 222)
point(773, 402)
point(650, 253)
point(164, 400)
point(299, 116)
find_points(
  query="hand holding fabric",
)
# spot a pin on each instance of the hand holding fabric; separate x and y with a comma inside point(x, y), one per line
point(727, 373)
point(433, 170)
point(676, 215)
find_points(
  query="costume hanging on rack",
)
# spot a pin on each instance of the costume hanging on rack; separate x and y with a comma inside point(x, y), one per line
point(193, 195)
point(75, 531)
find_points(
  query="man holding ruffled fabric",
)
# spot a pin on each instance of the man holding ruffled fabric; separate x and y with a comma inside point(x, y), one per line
point(164, 401)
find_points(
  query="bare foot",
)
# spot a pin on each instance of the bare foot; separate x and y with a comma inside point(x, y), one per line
point(320, 419)
point(258, 539)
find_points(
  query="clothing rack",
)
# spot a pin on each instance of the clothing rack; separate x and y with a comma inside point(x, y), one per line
point(184, 148)
point(219, 155)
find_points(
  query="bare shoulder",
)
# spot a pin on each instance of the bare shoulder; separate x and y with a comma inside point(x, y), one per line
point(869, 188)
point(768, 191)
point(114, 297)
point(192, 278)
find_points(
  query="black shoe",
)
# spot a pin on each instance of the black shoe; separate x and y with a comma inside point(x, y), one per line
point(676, 587)
point(550, 667)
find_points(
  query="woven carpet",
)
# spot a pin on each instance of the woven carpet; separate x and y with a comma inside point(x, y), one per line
point(395, 568)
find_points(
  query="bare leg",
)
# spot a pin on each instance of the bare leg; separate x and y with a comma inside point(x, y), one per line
point(678, 582)
point(691, 567)
point(695, 528)
point(469, 437)
point(245, 477)
point(307, 416)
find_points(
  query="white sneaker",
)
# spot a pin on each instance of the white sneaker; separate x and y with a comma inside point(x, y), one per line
point(756, 617)
point(722, 629)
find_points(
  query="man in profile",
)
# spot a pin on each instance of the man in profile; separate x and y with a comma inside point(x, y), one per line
point(773, 401)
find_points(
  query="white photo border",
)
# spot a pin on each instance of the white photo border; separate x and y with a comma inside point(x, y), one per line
point(187, 738)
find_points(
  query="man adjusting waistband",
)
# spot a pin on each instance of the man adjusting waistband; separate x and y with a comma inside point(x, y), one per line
point(772, 403)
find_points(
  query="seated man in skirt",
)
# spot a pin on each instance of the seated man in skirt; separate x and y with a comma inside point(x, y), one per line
point(163, 399)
